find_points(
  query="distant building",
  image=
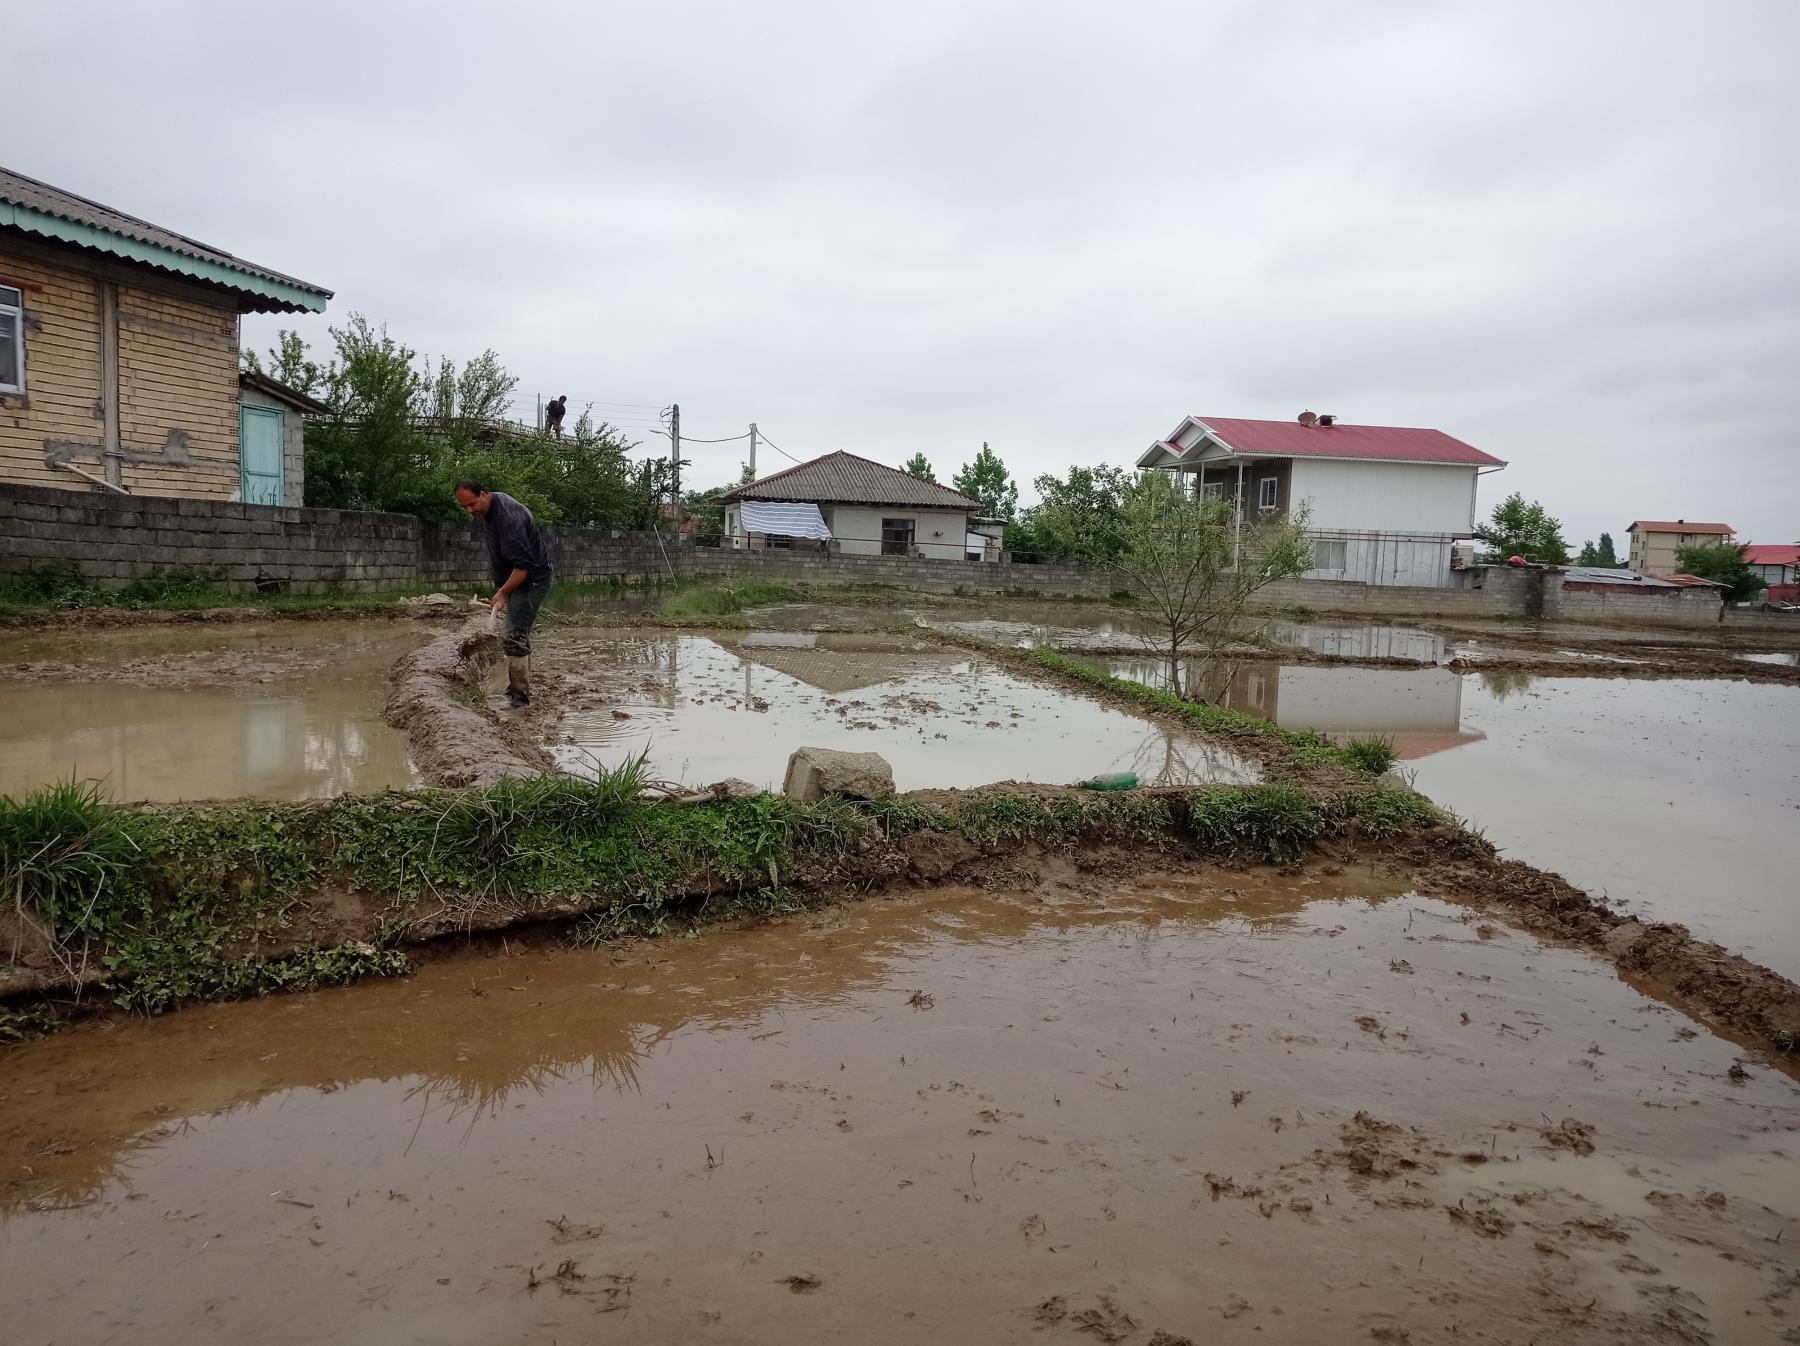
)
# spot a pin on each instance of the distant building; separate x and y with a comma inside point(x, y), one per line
point(1654, 542)
point(119, 350)
point(1387, 503)
point(1774, 563)
point(1778, 565)
point(853, 506)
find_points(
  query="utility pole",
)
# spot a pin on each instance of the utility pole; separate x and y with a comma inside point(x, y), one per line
point(752, 450)
point(675, 462)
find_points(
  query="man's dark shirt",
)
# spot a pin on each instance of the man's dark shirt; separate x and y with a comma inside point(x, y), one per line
point(513, 540)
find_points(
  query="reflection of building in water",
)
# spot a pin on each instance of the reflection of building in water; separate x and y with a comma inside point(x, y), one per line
point(1420, 709)
point(1361, 642)
point(161, 743)
point(832, 666)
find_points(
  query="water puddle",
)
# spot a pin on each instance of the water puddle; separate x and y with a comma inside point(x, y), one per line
point(705, 707)
point(288, 710)
point(952, 1116)
point(1677, 799)
point(1788, 658)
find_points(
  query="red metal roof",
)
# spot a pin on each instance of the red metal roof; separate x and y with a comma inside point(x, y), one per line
point(1290, 439)
point(1773, 553)
point(1678, 526)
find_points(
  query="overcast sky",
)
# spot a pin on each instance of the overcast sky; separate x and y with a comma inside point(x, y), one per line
point(1568, 233)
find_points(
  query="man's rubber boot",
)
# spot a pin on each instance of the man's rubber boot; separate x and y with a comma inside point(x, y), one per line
point(518, 683)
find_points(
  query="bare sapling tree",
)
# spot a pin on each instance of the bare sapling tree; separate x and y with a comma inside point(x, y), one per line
point(1196, 567)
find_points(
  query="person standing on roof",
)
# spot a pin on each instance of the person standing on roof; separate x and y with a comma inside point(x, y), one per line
point(553, 414)
point(520, 563)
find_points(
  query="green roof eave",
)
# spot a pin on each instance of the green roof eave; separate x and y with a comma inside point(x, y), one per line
point(276, 294)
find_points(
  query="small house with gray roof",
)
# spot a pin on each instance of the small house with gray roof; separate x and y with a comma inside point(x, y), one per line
point(856, 507)
point(119, 346)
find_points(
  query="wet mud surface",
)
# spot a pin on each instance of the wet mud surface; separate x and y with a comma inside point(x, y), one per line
point(1216, 1106)
point(710, 706)
point(266, 710)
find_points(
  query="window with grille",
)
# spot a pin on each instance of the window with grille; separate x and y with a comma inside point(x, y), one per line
point(1330, 554)
point(896, 537)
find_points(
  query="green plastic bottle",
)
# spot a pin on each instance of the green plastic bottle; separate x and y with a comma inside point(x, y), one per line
point(1112, 780)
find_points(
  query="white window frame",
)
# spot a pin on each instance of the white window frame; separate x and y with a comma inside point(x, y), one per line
point(1212, 490)
point(17, 311)
point(1268, 492)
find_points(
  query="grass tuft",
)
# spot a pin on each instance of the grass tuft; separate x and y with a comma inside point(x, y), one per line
point(724, 600)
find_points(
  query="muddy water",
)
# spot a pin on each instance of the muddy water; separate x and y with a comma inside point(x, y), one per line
point(1679, 800)
point(1225, 1107)
point(736, 704)
point(288, 710)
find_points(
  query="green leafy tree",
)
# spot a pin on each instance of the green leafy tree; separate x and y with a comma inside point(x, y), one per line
point(917, 466)
point(1521, 529)
point(1196, 571)
point(290, 362)
point(987, 480)
point(1722, 563)
point(1602, 556)
point(1081, 517)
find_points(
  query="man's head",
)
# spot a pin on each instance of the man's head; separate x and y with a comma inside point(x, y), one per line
point(473, 497)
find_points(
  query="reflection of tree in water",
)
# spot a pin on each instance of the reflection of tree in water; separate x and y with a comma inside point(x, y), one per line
point(1501, 684)
point(463, 1038)
point(1171, 759)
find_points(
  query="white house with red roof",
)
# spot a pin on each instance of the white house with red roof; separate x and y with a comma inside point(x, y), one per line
point(1386, 503)
point(1777, 564)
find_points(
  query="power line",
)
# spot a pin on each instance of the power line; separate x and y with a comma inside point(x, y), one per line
point(689, 439)
point(778, 449)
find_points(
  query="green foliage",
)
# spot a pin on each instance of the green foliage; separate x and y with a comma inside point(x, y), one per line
point(1724, 564)
point(987, 480)
point(1520, 529)
point(1387, 811)
point(1373, 755)
point(1601, 556)
point(1080, 518)
point(919, 466)
point(71, 850)
point(289, 362)
point(1198, 567)
point(721, 600)
point(1273, 822)
point(161, 986)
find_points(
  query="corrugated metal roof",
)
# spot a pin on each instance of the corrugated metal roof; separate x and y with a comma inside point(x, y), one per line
point(1773, 553)
point(1678, 526)
point(1596, 575)
point(280, 391)
point(31, 195)
point(1290, 439)
point(844, 479)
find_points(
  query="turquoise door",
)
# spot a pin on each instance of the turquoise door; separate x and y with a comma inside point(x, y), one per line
point(259, 455)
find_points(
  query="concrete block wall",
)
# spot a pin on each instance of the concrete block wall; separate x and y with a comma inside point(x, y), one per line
point(902, 572)
point(114, 539)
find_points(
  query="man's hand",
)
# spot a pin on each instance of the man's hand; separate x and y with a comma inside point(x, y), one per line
point(499, 603)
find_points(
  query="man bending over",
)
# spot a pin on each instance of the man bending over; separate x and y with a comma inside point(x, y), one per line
point(521, 566)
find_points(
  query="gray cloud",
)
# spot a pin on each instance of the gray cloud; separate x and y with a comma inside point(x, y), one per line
point(1562, 232)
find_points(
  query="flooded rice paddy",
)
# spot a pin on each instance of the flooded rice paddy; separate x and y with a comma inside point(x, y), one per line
point(705, 707)
point(1217, 1107)
point(1676, 799)
point(284, 710)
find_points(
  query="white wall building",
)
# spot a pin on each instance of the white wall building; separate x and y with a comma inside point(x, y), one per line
point(1385, 503)
point(856, 507)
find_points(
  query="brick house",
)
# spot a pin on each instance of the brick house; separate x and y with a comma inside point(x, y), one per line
point(1654, 542)
point(119, 346)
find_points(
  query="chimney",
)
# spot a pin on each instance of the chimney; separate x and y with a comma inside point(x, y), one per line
point(1328, 421)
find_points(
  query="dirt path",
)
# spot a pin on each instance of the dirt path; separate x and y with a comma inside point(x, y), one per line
point(1207, 1107)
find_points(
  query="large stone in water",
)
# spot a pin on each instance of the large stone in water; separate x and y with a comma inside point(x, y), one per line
point(813, 773)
